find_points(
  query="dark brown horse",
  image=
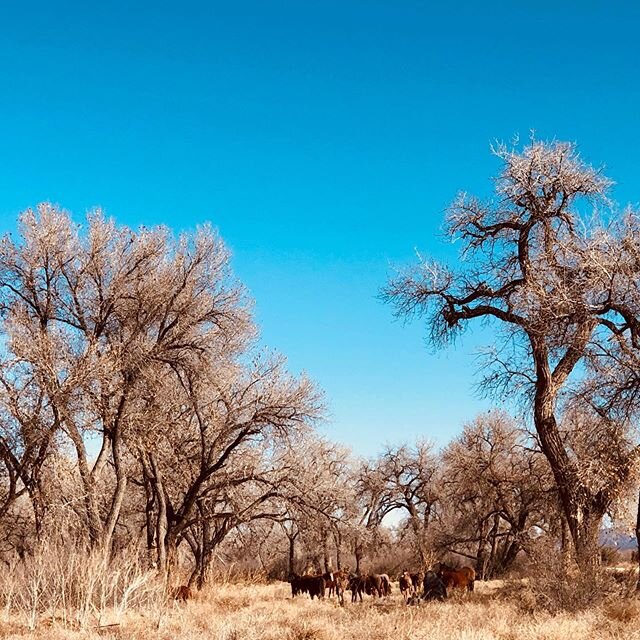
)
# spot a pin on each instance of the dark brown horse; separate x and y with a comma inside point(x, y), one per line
point(433, 587)
point(313, 585)
point(356, 586)
point(463, 578)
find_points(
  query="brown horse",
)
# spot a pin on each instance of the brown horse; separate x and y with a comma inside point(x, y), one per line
point(416, 581)
point(406, 586)
point(336, 582)
point(377, 584)
point(463, 578)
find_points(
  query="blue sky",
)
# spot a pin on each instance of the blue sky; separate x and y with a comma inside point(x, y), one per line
point(324, 140)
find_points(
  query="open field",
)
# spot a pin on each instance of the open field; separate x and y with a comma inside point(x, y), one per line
point(267, 612)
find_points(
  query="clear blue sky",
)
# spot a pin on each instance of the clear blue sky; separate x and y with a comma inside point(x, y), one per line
point(324, 140)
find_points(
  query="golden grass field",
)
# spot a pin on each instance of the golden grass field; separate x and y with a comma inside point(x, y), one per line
point(267, 612)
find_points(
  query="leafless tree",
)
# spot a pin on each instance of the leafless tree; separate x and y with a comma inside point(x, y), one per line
point(495, 491)
point(402, 479)
point(318, 497)
point(133, 353)
point(559, 286)
point(90, 318)
point(215, 459)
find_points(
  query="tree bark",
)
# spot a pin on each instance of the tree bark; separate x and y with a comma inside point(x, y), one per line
point(149, 507)
point(118, 496)
point(162, 524)
point(509, 557)
point(195, 543)
point(419, 531)
point(326, 558)
point(337, 538)
point(39, 508)
point(582, 511)
point(493, 536)
point(292, 554)
point(481, 555)
point(358, 555)
point(94, 522)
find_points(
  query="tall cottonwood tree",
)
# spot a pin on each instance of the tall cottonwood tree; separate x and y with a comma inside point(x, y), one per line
point(556, 284)
point(495, 491)
point(216, 457)
point(402, 479)
point(95, 322)
point(317, 498)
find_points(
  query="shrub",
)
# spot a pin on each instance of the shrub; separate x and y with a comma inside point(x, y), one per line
point(555, 584)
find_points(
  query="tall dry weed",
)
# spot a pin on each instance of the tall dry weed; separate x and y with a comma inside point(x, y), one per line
point(76, 587)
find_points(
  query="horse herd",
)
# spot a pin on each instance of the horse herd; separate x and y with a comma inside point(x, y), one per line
point(430, 585)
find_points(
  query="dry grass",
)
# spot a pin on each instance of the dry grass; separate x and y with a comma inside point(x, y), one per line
point(267, 612)
point(74, 590)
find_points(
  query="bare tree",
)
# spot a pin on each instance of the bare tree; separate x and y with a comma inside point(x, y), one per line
point(90, 319)
point(495, 491)
point(129, 361)
point(402, 479)
point(556, 284)
point(27, 430)
point(215, 457)
point(317, 496)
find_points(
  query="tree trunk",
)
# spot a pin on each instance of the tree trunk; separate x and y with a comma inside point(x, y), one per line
point(565, 543)
point(419, 532)
point(150, 517)
point(39, 509)
point(94, 523)
point(326, 558)
point(203, 566)
point(358, 554)
point(118, 496)
point(509, 556)
point(210, 537)
point(149, 506)
point(586, 540)
point(161, 522)
point(206, 566)
point(292, 555)
point(493, 536)
point(196, 549)
point(481, 555)
point(171, 550)
point(581, 510)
